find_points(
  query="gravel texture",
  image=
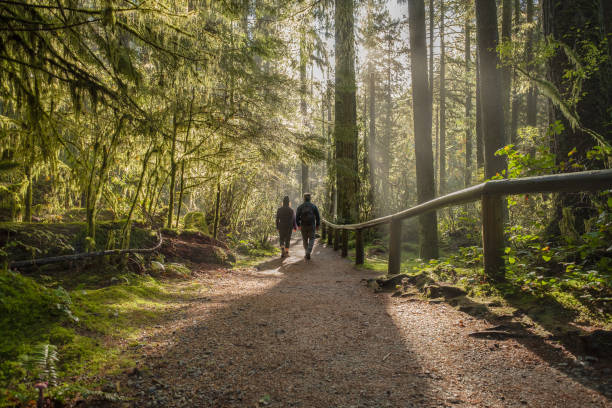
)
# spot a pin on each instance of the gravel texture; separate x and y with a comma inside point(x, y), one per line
point(308, 334)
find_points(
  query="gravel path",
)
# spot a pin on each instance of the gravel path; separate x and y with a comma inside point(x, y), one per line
point(309, 334)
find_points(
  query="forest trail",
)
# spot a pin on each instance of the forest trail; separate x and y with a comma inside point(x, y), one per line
point(309, 334)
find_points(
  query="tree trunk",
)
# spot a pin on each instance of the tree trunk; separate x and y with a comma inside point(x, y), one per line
point(331, 157)
point(303, 108)
point(493, 127)
point(516, 98)
point(532, 109)
point(172, 173)
point(575, 24)
point(442, 180)
point(468, 108)
point(345, 125)
point(422, 103)
point(385, 165)
point(479, 141)
point(491, 95)
point(372, 138)
point(506, 71)
point(183, 159)
point(431, 48)
point(217, 206)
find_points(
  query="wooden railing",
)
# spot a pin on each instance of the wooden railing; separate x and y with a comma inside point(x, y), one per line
point(490, 194)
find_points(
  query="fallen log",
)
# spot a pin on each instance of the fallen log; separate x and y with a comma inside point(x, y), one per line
point(84, 255)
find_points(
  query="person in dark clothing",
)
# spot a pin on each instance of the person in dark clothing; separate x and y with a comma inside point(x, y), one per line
point(285, 222)
point(308, 220)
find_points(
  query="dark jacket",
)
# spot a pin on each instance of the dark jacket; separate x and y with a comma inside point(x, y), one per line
point(300, 211)
point(285, 219)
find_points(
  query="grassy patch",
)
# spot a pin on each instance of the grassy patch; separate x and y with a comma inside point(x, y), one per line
point(90, 328)
point(255, 256)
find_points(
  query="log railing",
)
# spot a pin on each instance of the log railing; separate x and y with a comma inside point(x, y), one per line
point(490, 194)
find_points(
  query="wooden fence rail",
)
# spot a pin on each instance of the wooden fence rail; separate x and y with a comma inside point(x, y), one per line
point(490, 194)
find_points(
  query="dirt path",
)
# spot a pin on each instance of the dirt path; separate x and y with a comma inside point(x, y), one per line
point(309, 334)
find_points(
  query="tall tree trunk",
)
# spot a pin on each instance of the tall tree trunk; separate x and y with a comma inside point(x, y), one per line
point(422, 103)
point(183, 159)
point(516, 98)
point(331, 156)
point(372, 138)
point(506, 70)
point(345, 125)
point(303, 107)
point(468, 108)
point(532, 98)
point(431, 48)
point(493, 127)
point(491, 95)
point(217, 207)
point(127, 228)
point(173, 166)
point(385, 164)
point(574, 24)
point(479, 136)
point(442, 180)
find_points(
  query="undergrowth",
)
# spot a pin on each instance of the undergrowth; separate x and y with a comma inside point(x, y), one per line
point(86, 330)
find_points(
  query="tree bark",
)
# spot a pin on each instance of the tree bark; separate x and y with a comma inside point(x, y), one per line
point(491, 96)
point(491, 102)
point(516, 98)
point(217, 207)
point(442, 179)
point(532, 109)
point(575, 24)
point(479, 142)
point(172, 172)
point(506, 70)
point(372, 138)
point(305, 188)
point(345, 125)
point(468, 108)
point(422, 104)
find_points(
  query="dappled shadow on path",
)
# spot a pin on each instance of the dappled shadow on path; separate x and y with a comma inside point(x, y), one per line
point(557, 321)
point(290, 333)
point(303, 333)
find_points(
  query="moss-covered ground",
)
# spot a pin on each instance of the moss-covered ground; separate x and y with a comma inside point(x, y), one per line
point(87, 314)
point(91, 328)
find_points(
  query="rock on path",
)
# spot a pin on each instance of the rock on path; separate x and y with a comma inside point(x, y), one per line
point(308, 334)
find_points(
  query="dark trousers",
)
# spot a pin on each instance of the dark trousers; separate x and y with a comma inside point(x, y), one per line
point(285, 238)
point(308, 238)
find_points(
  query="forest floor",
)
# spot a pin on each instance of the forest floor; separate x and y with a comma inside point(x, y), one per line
point(302, 333)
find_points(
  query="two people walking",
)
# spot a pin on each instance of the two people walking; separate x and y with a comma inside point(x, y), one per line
point(306, 219)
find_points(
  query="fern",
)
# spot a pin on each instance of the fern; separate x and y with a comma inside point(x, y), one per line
point(41, 363)
point(551, 91)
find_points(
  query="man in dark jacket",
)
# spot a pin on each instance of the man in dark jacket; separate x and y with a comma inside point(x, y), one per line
point(285, 221)
point(308, 220)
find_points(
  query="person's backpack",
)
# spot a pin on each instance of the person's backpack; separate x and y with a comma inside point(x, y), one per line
point(308, 216)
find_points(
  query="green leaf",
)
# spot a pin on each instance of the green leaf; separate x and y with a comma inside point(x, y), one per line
point(511, 260)
point(610, 202)
point(546, 258)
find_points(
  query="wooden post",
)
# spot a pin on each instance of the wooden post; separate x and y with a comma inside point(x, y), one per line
point(344, 243)
point(358, 247)
point(336, 239)
point(330, 237)
point(323, 231)
point(395, 247)
point(493, 236)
